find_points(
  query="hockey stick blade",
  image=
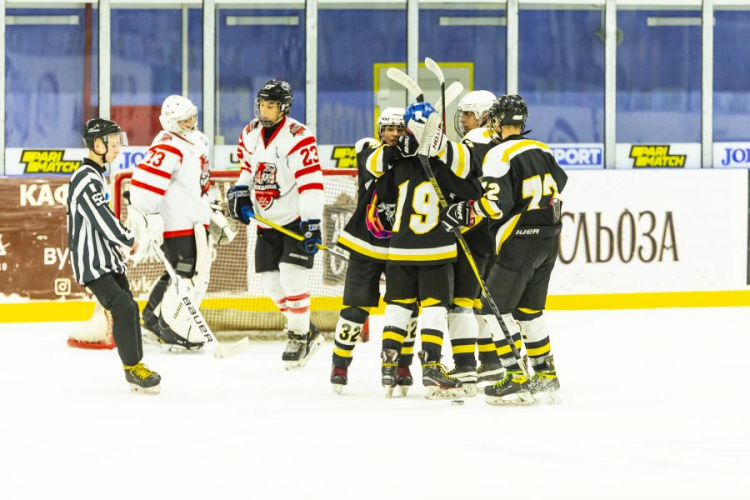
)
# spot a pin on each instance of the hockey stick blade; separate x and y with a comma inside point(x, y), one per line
point(211, 343)
point(454, 90)
point(407, 82)
point(435, 69)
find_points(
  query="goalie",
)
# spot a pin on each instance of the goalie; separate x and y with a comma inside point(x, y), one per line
point(170, 208)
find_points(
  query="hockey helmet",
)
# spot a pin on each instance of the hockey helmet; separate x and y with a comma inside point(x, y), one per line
point(99, 128)
point(277, 91)
point(477, 102)
point(509, 110)
point(391, 116)
point(175, 110)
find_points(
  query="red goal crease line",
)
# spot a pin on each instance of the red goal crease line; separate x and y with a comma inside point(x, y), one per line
point(48, 310)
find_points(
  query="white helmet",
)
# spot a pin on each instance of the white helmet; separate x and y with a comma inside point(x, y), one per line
point(478, 102)
point(176, 109)
point(391, 116)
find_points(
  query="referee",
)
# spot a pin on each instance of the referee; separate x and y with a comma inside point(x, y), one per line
point(94, 238)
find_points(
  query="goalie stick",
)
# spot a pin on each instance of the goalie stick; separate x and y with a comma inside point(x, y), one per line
point(423, 153)
point(218, 349)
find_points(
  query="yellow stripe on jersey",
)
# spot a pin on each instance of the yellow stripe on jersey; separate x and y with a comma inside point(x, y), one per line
point(489, 209)
point(508, 153)
point(434, 339)
point(505, 231)
point(372, 162)
point(461, 169)
point(539, 350)
point(389, 335)
point(463, 301)
point(362, 248)
point(405, 301)
point(343, 352)
point(395, 255)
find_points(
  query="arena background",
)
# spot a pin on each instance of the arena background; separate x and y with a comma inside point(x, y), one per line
point(646, 104)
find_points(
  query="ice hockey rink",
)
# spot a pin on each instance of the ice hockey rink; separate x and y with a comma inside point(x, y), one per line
point(654, 407)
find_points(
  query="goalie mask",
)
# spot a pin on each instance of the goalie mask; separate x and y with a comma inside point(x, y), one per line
point(178, 115)
point(477, 102)
point(509, 110)
point(276, 91)
point(391, 117)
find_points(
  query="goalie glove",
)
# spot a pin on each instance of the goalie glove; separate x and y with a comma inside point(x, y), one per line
point(220, 230)
point(148, 230)
point(457, 215)
point(239, 205)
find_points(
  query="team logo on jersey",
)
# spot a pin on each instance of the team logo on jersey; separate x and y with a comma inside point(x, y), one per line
point(296, 129)
point(205, 175)
point(655, 156)
point(266, 187)
point(165, 137)
point(50, 161)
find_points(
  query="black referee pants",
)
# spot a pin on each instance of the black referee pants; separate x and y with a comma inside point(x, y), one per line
point(113, 293)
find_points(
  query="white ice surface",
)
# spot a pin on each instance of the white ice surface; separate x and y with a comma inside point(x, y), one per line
point(655, 406)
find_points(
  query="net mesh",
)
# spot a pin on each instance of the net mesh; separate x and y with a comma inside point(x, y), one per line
point(235, 301)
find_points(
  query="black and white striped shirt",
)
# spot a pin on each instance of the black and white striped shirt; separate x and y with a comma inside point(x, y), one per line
point(94, 233)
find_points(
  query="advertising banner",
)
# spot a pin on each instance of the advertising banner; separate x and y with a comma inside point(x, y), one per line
point(658, 155)
point(732, 154)
point(653, 231)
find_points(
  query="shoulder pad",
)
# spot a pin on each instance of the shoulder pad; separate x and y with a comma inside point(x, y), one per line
point(479, 135)
point(252, 125)
point(367, 142)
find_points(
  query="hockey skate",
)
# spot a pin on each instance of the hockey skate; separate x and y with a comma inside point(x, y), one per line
point(467, 375)
point(142, 380)
point(545, 386)
point(300, 348)
point(404, 380)
point(439, 384)
point(339, 378)
point(389, 370)
point(514, 389)
point(489, 372)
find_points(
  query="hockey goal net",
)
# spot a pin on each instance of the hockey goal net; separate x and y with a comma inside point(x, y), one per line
point(235, 301)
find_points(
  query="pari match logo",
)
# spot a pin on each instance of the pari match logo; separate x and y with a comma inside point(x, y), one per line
point(47, 161)
point(655, 156)
point(344, 157)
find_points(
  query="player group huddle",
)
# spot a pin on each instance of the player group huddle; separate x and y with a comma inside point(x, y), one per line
point(466, 234)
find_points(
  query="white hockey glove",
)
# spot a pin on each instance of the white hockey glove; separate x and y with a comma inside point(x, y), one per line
point(221, 232)
point(148, 230)
point(416, 119)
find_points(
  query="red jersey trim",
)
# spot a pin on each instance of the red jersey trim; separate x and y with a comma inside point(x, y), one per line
point(155, 171)
point(301, 144)
point(182, 232)
point(312, 185)
point(275, 133)
point(305, 171)
point(169, 149)
point(147, 187)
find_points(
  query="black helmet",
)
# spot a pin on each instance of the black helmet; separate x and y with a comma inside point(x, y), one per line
point(509, 110)
point(278, 91)
point(101, 128)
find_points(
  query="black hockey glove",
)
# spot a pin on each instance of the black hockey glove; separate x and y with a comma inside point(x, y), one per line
point(311, 233)
point(408, 145)
point(239, 205)
point(457, 215)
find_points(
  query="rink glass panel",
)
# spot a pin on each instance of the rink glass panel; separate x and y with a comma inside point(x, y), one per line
point(45, 70)
point(254, 46)
point(658, 76)
point(147, 62)
point(350, 43)
point(235, 300)
point(731, 76)
point(561, 74)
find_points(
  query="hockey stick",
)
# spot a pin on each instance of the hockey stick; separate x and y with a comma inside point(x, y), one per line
point(433, 66)
point(294, 235)
point(454, 90)
point(406, 81)
point(218, 349)
point(423, 153)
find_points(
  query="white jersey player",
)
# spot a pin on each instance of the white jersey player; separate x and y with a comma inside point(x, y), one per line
point(281, 181)
point(170, 192)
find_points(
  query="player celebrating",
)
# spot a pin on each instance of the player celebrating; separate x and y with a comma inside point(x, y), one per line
point(281, 181)
point(366, 237)
point(522, 185)
point(94, 238)
point(170, 200)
